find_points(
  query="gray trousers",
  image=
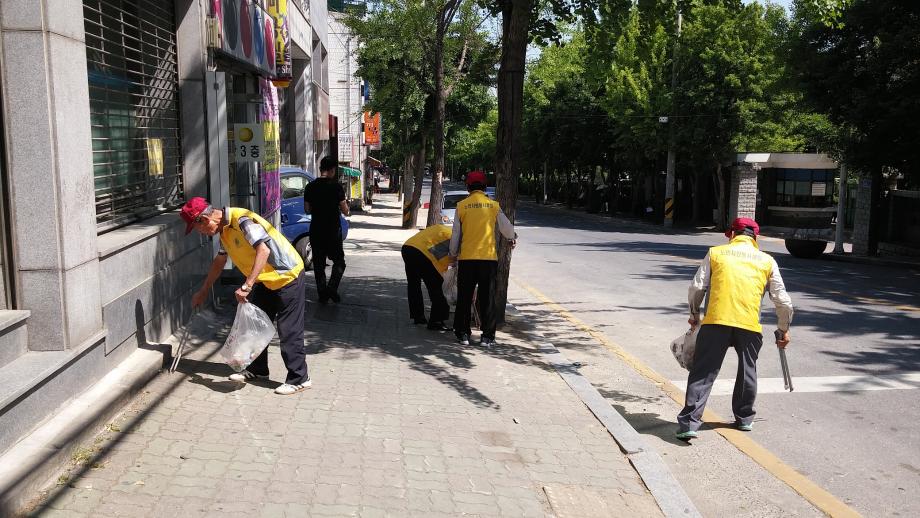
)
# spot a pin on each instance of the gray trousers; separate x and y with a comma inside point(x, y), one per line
point(712, 343)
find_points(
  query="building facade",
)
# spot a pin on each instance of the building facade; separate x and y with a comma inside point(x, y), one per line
point(113, 114)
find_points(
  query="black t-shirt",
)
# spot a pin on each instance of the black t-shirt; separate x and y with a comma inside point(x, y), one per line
point(324, 196)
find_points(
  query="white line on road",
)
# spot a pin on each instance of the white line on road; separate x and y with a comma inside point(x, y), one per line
point(903, 381)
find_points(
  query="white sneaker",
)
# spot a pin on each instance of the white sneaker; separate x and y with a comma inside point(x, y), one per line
point(287, 389)
point(245, 375)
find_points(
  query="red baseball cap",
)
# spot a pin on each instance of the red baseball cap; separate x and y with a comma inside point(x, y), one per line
point(191, 210)
point(476, 177)
point(742, 223)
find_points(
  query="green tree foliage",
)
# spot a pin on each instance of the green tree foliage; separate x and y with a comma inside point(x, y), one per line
point(416, 54)
point(864, 72)
point(474, 148)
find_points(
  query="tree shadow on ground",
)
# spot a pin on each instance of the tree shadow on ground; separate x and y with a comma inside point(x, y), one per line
point(372, 302)
point(217, 323)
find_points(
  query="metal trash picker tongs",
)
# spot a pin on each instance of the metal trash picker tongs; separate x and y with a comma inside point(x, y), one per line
point(178, 357)
point(787, 377)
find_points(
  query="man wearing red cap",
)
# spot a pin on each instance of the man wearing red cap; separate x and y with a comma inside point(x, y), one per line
point(735, 276)
point(474, 241)
point(274, 282)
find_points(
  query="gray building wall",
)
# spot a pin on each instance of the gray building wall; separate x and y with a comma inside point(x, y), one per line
point(93, 299)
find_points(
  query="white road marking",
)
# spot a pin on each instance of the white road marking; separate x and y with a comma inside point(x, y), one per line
point(903, 381)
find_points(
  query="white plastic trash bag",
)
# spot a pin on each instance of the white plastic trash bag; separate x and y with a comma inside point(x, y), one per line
point(684, 347)
point(251, 332)
point(449, 285)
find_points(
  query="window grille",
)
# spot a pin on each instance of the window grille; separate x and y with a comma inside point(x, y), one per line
point(134, 108)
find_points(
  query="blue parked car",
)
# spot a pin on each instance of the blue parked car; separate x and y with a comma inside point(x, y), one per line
point(295, 223)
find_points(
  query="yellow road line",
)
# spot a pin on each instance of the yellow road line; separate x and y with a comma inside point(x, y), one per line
point(818, 496)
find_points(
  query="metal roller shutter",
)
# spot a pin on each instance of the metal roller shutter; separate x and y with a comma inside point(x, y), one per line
point(134, 108)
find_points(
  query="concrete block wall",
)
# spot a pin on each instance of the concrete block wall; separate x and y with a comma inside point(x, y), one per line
point(743, 192)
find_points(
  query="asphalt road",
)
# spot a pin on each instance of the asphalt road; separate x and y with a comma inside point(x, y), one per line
point(856, 331)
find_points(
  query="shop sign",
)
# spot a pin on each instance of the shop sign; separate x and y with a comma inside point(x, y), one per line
point(372, 136)
point(249, 142)
point(345, 145)
point(284, 68)
point(246, 32)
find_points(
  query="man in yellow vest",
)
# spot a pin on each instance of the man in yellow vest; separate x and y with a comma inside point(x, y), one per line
point(735, 276)
point(426, 257)
point(274, 282)
point(474, 242)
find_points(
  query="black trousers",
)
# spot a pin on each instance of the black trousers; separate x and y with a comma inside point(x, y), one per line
point(419, 269)
point(712, 343)
point(286, 307)
point(473, 273)
point(327, 248)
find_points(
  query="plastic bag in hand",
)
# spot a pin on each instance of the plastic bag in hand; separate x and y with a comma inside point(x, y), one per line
point(251, 332)
point(684, 347)
point(449, 285)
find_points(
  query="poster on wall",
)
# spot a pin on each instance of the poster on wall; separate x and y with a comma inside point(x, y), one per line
point(270, 179)
point(284, 67)
point(155, 157)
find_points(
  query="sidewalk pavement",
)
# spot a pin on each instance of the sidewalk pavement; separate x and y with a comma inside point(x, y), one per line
point(401, 421)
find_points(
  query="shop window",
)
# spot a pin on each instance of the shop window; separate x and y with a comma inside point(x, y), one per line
point(804, 187)
point(134, 109)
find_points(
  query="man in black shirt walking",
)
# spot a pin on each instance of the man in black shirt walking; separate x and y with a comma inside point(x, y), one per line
point(324, 199)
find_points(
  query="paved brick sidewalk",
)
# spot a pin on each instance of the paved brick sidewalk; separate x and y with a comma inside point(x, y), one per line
point(401, 421)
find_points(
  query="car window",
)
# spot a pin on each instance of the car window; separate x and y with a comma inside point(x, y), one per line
point(292, 186)
point(451, 201)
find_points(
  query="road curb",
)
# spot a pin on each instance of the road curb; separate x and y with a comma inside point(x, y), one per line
point(665, 489)
point(28, 467)
point(871, 261)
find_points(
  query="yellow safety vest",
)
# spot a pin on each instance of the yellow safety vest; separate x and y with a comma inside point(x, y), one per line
point(739, 273)
point(284, 263)
point(477, 214)
point(434, 242)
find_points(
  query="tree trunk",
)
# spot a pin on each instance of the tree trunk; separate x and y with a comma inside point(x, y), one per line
point(515, 25)
point(440, 102)
point(696, 195)
point(419, 177)
point(720, 221)
point(408, 183)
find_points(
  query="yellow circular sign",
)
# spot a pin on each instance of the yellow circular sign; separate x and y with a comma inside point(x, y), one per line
point(245, 134)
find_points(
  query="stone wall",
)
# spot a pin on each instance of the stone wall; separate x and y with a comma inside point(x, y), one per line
point(743, 192)
point(863, 216)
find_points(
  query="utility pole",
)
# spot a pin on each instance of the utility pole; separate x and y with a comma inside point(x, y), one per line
point(841, 209)
point(348, 114)
point(672, 155)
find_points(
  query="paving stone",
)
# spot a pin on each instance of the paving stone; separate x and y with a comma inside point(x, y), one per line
point(400, 422)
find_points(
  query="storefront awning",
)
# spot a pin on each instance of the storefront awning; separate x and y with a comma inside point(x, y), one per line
point(374, 162)
point(348, 171)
